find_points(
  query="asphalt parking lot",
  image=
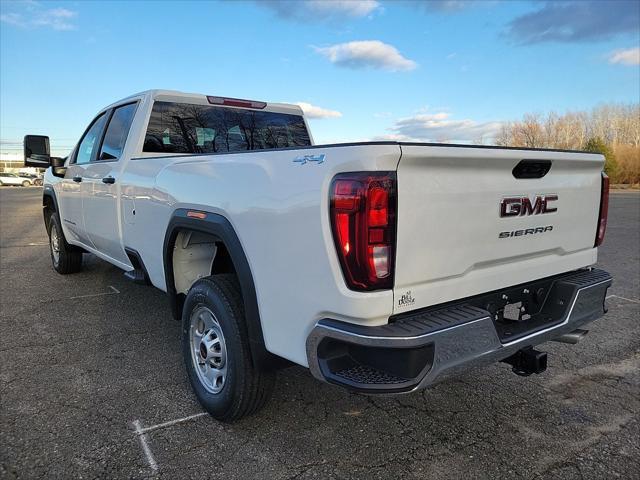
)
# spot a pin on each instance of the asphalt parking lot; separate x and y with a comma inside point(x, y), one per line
point(92, 385)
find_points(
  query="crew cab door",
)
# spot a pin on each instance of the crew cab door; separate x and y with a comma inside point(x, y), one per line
point(101, 205)
point(71, 192)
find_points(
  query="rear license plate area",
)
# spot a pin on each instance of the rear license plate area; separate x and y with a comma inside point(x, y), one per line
point(519, 311)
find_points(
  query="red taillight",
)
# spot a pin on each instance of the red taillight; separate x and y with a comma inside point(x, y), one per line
point(363, 220)
point(236, 102)
point(604, 210)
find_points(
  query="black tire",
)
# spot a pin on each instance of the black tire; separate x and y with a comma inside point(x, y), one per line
point(68, 258)
point(245, 390)
point(25, 183)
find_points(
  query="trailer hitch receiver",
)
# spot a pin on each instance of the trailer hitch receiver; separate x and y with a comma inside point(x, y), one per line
point(527, 361)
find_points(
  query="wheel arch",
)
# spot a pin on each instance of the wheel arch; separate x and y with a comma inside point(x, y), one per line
point(220, 228)
point(49, 204)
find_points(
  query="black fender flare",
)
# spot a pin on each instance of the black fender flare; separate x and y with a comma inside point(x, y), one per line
point(221, 229)
point(48, 193)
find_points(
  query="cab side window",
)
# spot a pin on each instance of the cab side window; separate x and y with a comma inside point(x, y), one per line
point(90, 140)
point(117, 132)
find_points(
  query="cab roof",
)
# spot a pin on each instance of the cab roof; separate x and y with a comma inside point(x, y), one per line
point(202, 99)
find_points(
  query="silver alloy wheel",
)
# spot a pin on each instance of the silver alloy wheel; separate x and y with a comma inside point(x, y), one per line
point(208, 349)
point(54, 239)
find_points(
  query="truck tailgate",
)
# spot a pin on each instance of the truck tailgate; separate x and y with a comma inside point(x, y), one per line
point(453, 241)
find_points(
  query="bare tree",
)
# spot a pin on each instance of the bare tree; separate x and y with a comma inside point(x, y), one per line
point(618, 125)
point(614, 123)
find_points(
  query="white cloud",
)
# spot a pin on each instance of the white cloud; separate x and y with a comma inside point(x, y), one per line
point(439, 127)
point(319, 10)
point(630, 56)
point(313, 111)
point(367, 54)
point(35, 16)
point(443, 6)
point(12, 18)
point(393, 137)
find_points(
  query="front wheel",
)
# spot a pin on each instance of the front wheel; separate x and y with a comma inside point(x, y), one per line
point(65, 258)
point(215, 346)
point(25, 183)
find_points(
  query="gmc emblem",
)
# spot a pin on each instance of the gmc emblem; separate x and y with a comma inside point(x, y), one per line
point(521, 206)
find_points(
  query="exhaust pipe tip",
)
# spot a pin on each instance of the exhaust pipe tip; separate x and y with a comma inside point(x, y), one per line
point(572, 338)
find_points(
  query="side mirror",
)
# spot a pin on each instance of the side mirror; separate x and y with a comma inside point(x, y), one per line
point(36, 151)
point(57, 166)
point(58, 162)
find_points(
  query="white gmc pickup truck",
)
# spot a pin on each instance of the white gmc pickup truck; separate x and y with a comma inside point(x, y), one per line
point(381, 266)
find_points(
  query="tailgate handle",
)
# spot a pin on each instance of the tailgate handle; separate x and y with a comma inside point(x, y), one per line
point(532, 168)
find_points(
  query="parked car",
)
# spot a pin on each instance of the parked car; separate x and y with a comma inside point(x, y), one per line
point(381, 266)
point(35, 179)
point(14, 179)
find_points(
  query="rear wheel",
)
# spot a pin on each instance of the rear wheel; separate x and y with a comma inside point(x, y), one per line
point(64, 257)
point(216, 351)
point(25, 183)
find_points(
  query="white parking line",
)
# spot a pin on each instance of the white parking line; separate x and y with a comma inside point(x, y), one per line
point(172, 422)
point(141, 433)
point(20, 245)
point(623, 298)
point(145, 445)
point(113, 291)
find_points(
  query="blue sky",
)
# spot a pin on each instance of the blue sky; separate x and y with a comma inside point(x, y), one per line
point(436, 70)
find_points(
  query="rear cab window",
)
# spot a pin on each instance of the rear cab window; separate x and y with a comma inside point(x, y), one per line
point(189, 128)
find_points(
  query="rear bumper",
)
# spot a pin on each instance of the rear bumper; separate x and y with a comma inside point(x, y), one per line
point(420, 348)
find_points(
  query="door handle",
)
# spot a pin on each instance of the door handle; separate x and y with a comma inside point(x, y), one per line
point(77, 179)
point(109, 180)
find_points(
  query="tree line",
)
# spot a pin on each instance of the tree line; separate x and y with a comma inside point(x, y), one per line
point(610, 129)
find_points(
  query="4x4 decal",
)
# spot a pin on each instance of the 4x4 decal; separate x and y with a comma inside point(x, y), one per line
point(304, 159)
